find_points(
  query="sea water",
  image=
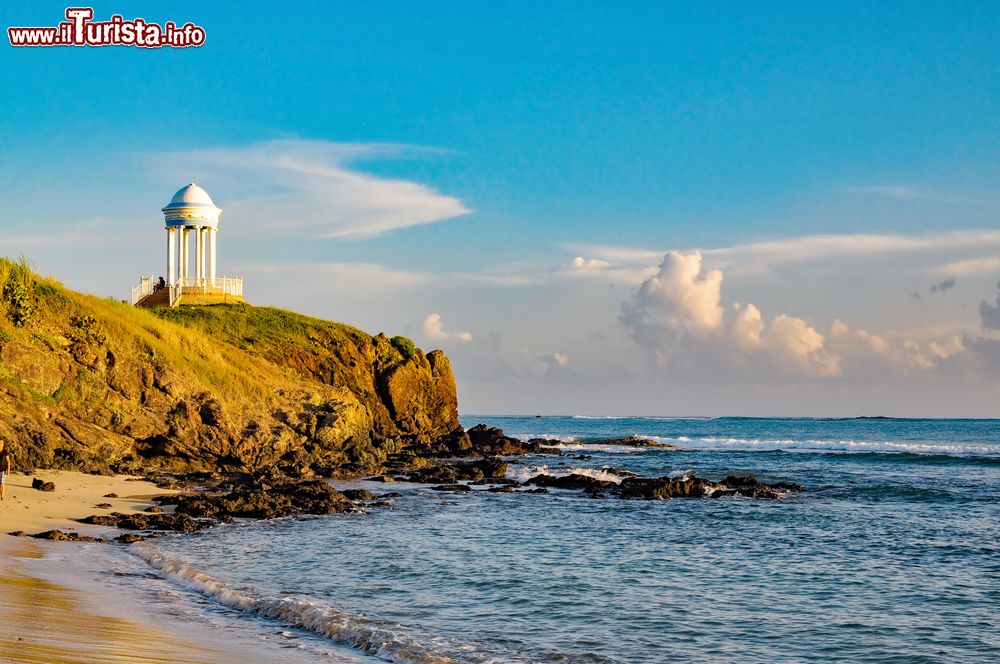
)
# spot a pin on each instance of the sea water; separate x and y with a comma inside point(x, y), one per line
point(891, 554)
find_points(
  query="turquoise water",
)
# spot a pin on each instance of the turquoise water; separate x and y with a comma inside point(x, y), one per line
point(892, 554)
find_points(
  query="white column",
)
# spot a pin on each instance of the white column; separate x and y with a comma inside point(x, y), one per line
point(212, 234)
point(184, 253)
point(200, 253)
point(171, 255)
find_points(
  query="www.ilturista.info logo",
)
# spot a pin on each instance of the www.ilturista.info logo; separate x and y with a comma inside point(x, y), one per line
point(80, 30)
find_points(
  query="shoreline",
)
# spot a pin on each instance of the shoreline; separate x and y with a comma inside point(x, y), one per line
point(67, 606)
point(77, 617)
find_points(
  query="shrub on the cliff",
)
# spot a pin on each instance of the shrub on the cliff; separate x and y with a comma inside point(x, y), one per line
point(403, 345)
point(83, 329)
point(19, 292)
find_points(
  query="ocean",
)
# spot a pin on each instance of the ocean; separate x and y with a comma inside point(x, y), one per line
point(891, 554)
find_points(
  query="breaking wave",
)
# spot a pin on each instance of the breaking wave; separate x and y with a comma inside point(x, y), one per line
point(381, 638)
point(984, 452)
point(524, 473)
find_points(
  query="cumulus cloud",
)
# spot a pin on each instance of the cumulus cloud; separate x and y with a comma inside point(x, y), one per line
point(677, 315)
point(989, 314)
point(868, 351)
point(678, 312)
point(433, 328)
point(679, 297)
point(313, 188)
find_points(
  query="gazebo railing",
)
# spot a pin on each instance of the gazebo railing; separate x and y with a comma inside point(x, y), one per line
point(226, 286)
point(144, 288)
point(219, 286)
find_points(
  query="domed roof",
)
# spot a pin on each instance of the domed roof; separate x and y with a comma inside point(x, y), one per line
point(190, 195)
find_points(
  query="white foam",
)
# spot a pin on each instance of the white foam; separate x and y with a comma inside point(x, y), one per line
point(524, 473)
point(380, 638)
point(843, 445)
point(809, 445)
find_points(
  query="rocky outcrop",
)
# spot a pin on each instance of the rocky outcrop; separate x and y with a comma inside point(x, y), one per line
point(95, 385)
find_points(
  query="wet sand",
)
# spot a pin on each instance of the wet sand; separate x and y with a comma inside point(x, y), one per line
point(47, 622)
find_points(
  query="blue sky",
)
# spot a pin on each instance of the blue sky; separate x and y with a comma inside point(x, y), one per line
point(410, 159)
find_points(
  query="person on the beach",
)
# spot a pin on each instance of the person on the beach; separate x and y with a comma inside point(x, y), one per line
point(4, 465)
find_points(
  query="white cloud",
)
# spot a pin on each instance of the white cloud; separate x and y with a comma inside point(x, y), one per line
point(341, 274)
point(765, 256)
point(433, 328)
point(793, 341)
point(945, 349)
point(311, 188)
point(554, 364)
point(678, 296)
point(608, 270)
point(861, 347)
point(985, 265)
point(678, 312)
point(591, 265)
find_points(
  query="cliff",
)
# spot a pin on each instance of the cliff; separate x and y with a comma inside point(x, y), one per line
point(96, 385)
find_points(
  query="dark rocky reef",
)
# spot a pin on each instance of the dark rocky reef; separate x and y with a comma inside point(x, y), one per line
point(661, 488)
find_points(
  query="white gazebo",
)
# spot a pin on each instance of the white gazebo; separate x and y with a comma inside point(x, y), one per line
point(190, 212)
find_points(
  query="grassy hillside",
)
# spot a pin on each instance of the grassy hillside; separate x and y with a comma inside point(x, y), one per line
point(95, 384)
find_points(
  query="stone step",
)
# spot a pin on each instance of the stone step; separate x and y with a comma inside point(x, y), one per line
point(159, 298)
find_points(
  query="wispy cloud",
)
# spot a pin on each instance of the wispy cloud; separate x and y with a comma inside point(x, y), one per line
point(366, 275)
point(763, 256)
point(313, 188)
point(907, 192)
point(89, 233)
point(970, 266)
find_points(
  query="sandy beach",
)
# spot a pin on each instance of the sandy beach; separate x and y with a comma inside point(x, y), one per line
point(51, 622)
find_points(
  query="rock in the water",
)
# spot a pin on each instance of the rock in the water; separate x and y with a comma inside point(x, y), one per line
point(632, 441)
point(129, 538)
point(60, 536)
point(693, 487)
point(544, 446)
point(571, 481)
point(183, 523)
point(309, 497)
point(663, 487)
point(103, 506)
point(110, 495)
point(452, 487)
point(436, 474)
point(358, 494)
point(493, 441)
